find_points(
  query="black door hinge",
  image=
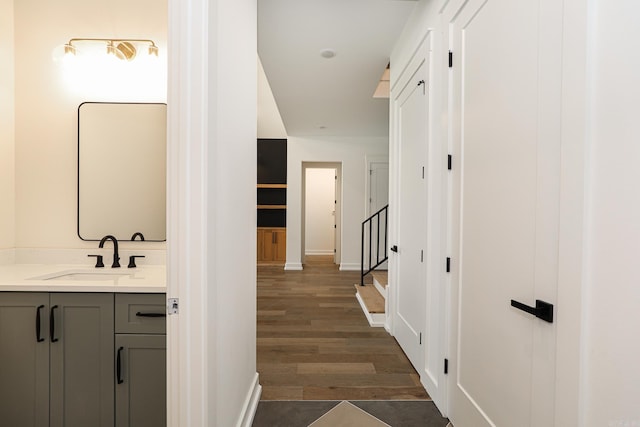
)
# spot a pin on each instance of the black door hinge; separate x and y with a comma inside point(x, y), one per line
point(450, 59)
point(448, 265)
point(446, 366)
point(449, 161)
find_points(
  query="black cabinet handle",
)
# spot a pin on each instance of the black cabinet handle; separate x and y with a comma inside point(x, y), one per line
point(394, 248)
point(119, 366)
point(143, 314)
point(52, 324)
point(38, 337)
point(543, 310)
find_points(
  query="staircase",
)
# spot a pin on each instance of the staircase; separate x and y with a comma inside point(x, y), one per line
point(372, 296)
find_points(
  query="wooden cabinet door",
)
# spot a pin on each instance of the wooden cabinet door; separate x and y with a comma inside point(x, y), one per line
point(262, 241)
point(272, 245)
point(81, 360)
point(141, 385)
point(24, 359)
point(268, 253)
point(280, 242)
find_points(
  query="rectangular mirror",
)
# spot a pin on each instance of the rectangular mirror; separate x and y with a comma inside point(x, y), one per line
point(122, 170)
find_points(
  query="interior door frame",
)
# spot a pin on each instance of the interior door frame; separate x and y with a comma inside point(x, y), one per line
point(569, 316)
point(429, 48)
point(338, 218)
point(369, 161)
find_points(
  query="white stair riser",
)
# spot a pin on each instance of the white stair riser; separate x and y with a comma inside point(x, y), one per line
point(375, 319)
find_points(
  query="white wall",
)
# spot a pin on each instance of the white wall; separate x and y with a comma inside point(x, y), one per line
point(7, 147)
point(269, 121)
point(47, 97)
point(351, 153)
point(319, 211)
point(424, 17)
point(232, 206)
point(612, 315)
point(212, 379)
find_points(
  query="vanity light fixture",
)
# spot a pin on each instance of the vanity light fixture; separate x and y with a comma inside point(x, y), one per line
point(124, 49)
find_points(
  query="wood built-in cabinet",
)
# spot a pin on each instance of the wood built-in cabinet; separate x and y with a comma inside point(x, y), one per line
point(272, 245)
point(59, 367)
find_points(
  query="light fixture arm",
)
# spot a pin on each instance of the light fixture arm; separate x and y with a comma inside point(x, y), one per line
point(121, 48)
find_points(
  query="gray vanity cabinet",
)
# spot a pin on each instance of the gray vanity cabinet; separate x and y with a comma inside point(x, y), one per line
point(81, 360)
point(73, 359)
point(24, 359)
point(140, 347)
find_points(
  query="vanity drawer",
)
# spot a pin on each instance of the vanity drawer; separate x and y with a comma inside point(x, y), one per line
point(140, 314)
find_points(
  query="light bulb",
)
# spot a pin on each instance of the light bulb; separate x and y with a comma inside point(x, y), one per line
point(63, 53)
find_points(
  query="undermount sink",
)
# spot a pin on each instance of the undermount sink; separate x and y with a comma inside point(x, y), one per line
point(82, 275)
point(87, 276)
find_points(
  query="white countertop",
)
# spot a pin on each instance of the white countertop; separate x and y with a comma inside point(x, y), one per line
point(81, 278)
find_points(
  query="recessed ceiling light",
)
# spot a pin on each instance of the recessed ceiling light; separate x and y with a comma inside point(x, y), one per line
point(327, 53)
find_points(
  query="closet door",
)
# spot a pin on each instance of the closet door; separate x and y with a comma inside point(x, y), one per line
point(505, 92)
point(411, 106)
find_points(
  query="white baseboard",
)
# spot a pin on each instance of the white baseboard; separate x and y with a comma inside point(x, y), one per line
point(7, 256)
point(345, 266)
point(250, 404)
point(293, 266)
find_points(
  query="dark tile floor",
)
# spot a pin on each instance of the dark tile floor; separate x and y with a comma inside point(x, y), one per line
point(303, 413)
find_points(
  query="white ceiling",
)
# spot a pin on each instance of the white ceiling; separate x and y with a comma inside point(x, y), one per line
point(312, 92)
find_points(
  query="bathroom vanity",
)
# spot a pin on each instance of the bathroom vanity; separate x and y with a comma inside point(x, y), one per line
point(82, 346)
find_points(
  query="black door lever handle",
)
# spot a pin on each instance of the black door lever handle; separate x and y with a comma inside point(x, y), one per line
point(543, 310)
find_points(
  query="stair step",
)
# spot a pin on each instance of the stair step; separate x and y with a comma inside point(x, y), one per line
point(382, 277)
point(371, 298)
point(373, 308)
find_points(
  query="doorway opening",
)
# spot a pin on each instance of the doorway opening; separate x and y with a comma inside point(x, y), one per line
point(321, 209)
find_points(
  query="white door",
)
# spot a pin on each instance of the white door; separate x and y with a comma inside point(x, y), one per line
point(379, 198)
point(410, 294)
point(378, 186)
point(319, 210)
point(505, 168)
point(336, 218)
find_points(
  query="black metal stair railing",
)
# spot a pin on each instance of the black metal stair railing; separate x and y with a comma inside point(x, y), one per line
point(368, 229)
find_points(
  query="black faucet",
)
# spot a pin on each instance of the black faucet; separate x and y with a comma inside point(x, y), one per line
point(116, 257)
point(137, 234)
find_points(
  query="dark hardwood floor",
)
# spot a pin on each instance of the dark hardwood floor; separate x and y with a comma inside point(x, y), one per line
point(314, 342)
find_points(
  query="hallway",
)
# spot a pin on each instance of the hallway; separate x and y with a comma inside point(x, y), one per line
point(314, 343)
